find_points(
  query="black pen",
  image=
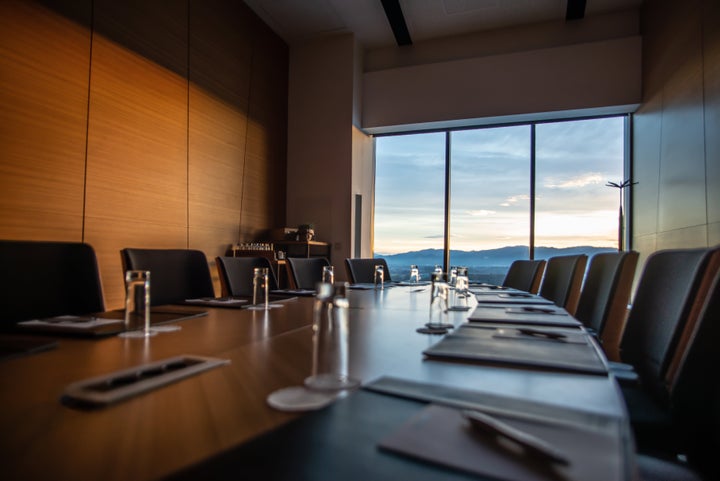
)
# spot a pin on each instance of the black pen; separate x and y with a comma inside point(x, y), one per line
point(529, 331)
point(486, 423)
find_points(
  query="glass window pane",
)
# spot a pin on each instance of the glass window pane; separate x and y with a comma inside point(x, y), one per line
point(410, 202)
point(490, 206)
point(574, 161)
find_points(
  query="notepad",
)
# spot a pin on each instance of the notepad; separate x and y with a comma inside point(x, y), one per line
point(440, 435)
point(546, 315)
point(496, 344)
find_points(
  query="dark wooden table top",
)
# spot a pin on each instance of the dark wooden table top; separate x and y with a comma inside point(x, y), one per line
point(175, 426)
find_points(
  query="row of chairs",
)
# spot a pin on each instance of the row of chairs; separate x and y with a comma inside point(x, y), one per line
point(668, 343)
point(664, 346)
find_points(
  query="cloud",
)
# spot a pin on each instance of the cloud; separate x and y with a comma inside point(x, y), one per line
point(481, 213)
point(591, 178)
point(514, 199)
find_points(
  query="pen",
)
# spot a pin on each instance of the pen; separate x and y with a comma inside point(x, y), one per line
point(486, 423)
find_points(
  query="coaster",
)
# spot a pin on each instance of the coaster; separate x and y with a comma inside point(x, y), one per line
point(330, 382)
point(431, 330)
point(439, 325)
point(459, 308)
point(165, 328)
point(141, 334)
point(261, 307)
point(299, 398)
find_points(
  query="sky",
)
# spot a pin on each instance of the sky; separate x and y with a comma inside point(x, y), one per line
point(490, 187)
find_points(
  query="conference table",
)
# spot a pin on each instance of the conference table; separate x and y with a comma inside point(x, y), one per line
point(217, 424)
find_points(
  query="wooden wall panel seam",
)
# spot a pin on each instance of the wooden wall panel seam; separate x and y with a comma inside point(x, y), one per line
point(87, 117)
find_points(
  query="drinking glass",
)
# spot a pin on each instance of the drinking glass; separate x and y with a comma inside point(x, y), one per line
point(379, 277)
point(261, 290)
point(437, 319)
point(133, 302)
point(414, 274)
point(462, 282)
point(452, 278)
point(330, 366)
point(328, 275)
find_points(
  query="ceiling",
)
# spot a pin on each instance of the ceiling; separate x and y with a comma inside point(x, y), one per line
point(299, 20)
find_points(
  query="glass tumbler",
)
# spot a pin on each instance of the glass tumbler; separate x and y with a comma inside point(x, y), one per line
point(438, 318)
point(379, 277)
point(452, 278)
point(414, 274)
point(462, 283)
point(260, 287)
point(134, 301)
point(328, 275)
point(330, 366)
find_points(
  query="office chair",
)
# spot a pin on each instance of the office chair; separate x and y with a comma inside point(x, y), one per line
point(562, 280)
point(681, 415)
point(660, 310)
point(45, 279)
point(525, 275)
point(236, 274)
point(175, 274)
point(603, 303)
point(307, 272)
point(362, 270)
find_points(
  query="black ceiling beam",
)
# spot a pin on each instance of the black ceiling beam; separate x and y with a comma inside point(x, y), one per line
point(395, 16)
point(575, 9)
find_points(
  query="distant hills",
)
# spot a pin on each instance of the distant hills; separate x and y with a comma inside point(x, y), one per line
point(501, 257)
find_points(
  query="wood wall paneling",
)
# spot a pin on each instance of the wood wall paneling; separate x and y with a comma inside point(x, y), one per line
point(159, 93)
point(44, 62)
point(263, 203)
point(682, 238)
point(682, 157)
point(220, 34)
point(714, 234)
point(647, 125)
point(137, 139)
point(673, 132)
point(711, 82)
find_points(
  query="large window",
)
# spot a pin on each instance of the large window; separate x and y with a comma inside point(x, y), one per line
point(410, 200)
point(465, 197)
point(489, 203)
point(574, 161)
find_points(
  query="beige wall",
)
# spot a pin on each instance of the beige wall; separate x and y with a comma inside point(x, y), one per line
point(566, 78)
point(140, 124)
point(322, 141)
point(676, 202)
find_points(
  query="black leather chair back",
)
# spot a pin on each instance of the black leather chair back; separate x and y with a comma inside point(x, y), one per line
point(362, 270)
point(236, 274)
point(44, 279)
point(608, 283)
point(307, 271)
point(563, 279)
point(525, 275)
point(695, 390)
point(175, 274)
point(663, 299)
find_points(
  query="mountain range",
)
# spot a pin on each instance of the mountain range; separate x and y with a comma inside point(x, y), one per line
point(501, 257)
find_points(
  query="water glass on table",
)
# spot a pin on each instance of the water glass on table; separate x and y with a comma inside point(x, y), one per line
point(379, 277)
point(328, 275)
point(438, 317)
point(261, 290)
point(330, 339)
point(414, 274)
point(135, 279)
